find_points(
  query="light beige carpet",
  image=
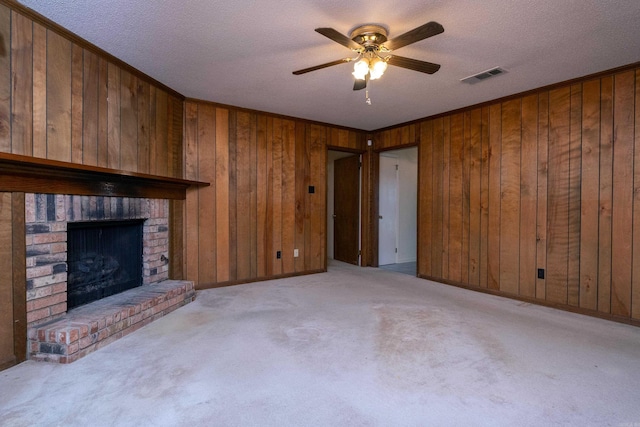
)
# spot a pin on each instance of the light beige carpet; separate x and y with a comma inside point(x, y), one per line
point(351, 347)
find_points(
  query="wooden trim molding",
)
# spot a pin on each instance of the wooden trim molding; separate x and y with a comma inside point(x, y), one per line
point(35, 175)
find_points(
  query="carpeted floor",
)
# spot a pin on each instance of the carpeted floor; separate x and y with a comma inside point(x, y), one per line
point(351, 347)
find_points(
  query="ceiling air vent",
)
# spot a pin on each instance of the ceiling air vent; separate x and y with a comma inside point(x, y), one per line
point(484, 75)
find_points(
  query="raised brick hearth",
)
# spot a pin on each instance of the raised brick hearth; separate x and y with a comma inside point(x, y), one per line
point(92, 326)
point(57, 335)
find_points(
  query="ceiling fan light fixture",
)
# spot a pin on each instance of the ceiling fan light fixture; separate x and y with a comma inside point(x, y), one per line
point(377, 67)
point(360, 69)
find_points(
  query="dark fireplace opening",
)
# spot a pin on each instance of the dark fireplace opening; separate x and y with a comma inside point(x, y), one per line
point(104, 258)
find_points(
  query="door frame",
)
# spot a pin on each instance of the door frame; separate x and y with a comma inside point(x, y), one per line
point(374, 212)
point(364, 203)
point(393, 161)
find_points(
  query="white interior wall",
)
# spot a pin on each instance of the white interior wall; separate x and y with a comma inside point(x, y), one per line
point(407, 203)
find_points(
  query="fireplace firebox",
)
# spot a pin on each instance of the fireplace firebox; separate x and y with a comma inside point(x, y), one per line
point(104, 258)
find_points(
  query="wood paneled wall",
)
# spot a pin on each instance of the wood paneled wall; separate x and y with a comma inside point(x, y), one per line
point(549, 180)
point(260, 167)
point(13, 292)
point(60, 100)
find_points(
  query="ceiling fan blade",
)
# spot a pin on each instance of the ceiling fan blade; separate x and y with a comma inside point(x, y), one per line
point(413, 64)
point(360, 84)
point(340, 38)
point(321, 66)
point(427, 30)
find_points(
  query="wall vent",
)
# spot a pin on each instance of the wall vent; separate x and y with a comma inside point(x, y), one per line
point(495, 71)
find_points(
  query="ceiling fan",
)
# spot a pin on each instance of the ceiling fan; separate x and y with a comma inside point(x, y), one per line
point(374, 51)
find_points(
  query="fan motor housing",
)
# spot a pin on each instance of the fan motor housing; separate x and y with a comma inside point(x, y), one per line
point(370, 36)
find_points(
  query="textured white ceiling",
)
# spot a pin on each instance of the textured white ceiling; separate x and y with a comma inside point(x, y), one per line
point(242, 52)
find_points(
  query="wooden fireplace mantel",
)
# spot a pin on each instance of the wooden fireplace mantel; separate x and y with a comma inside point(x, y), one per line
point(36, 175)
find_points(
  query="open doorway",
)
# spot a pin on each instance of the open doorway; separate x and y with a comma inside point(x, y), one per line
point(343, 206)
point(397, 220)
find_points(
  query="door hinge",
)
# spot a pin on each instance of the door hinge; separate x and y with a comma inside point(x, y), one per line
point(359, 253)
point(396, 167)
point(396, 250)
point(359, 165)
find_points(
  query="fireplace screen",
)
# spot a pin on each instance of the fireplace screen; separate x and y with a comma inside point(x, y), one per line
point(104, 258)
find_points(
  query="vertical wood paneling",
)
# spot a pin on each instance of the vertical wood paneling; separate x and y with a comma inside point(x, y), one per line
point(7, 355)
point(495, 150)
point(39, 91)
point(575, 166)
point(22, 88)
point(222, 194)
point(175, 136)
point(475, 188)
point(5, 79)
point(484, 198)
point(589, 195)
point(269, 225)
point(446, 195)
point(58, 97)
point(276, 191)
point(128, 122)
point(113, 117)
point(253, 204)
point(558, 205)
point(91, 73)
point(622, 214)
point(262, 194)
point(143, 127)
point(103, 113)
point(243, 194)
point(510, 196)
point(456, 198)
point(205, 229)
point(543, 178)
point(438, 198)
point(289, 194)
point(528, 195)
point(316, 245)
point(635, 274)
point(606, 195)
point(77, 101)
point(302, 181)
point(425, 198)
point(192, 225)
point(233, 196)
point(466, 197)
point(160, 148)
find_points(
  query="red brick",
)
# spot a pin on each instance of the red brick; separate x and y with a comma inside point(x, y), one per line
point(73, 348)
point(59, 308)
point(74, 335)
point(48, 301)
point(57, 248)
point(43, 270)
point(58, 287)
point(35, 315)
point(83, 331)
point(86, 341)
point(49, 238)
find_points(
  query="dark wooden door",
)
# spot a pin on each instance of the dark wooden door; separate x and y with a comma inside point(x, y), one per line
point(346, 210)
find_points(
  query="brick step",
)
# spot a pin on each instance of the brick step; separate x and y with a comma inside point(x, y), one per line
point(95, 325)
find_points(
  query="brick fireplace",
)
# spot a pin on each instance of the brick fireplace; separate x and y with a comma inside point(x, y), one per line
point(56, 334)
